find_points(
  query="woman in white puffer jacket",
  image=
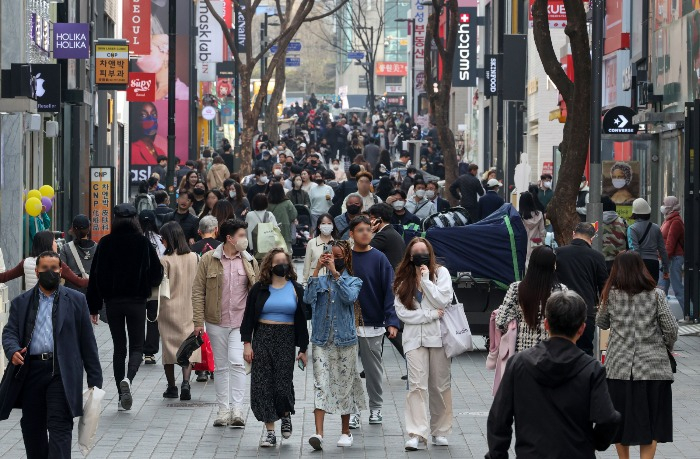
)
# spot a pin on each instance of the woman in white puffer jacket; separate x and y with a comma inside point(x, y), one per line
point(422, 290)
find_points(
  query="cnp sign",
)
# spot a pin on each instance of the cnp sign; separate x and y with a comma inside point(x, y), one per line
point(464, 66)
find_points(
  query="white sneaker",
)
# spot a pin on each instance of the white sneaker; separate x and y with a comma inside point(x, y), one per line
point(354, 421)
point(415, 443)
point(237, 418)
point(223, 418)
point(316, 442)
point(125, 400)
point(345, 441)
point(440, 441)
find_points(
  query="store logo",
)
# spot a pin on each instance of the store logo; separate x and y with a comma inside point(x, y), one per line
point(40, 91)
point(464, 74)
point(71, 41)
point(142, 87)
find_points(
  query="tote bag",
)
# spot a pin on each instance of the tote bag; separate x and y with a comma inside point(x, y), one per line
point(269, 237)
point(456, 336)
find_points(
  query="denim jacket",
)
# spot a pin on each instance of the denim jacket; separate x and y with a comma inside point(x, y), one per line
point(337, 311)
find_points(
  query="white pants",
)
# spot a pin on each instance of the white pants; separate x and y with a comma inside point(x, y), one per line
point(428, 376)
point(229, 372)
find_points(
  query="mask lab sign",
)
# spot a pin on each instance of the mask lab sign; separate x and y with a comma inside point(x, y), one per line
point(464, 66)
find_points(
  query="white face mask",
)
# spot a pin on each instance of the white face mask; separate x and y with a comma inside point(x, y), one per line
point(335, 167)
point(547, 184)
point(326, 228)
point(241, 244)
point(430, 194)
point(264, 179)
point(663, 210)
point(618, 182)
point(420, 193)
point(398, 205)
point(278, 172)
point(232, 194)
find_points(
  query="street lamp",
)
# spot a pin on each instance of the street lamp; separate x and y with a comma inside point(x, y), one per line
point(412, 78)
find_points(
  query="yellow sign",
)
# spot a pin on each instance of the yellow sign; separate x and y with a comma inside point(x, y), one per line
point(101, 201)
point(111, 64)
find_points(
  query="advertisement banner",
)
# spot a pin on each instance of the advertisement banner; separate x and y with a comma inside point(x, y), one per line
point(391, 68)
point(71, 41)
point(464, 67)
point(101, 201)
point(47, 80)
point(142, 87)
point(136, 25)
point(420, 14)
point(621, 181)
point(210, 37)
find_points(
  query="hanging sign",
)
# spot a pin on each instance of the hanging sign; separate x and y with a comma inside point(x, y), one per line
point(112, 63)
point(618, 120)
point(101, 201)
point(71, 41)
point(210, 37)
point(136, 25)
point(47, 81)
point(464, 66)
point(492, 67)
point(142, 87)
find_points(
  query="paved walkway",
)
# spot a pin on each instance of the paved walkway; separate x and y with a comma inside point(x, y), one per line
point(159, 428)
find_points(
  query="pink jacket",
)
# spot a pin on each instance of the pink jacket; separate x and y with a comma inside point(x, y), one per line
point(501, 348)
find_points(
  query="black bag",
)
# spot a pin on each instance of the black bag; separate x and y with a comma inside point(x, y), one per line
point(191, 344)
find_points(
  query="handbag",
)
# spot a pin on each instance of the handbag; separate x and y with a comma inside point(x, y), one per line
point(87, 426)
point(207, 363)
point(162, 290)
point(454, 328)
point(187, 348)
point(671, 358)
point(268, 237)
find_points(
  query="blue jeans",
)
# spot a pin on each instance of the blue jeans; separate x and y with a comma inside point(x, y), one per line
point(675, 271)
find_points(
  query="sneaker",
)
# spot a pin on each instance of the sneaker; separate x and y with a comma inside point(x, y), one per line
point(237, 418)
point(375, 416)
point(223, 418)
point(170, 392)
point(316, 442)
point(439, 441)
point(345, 441)
point(354, 421)
point(362, 374)
point(120, 407)
point(125, 390)
point(202, 376)
point(149, 360)
point(268, 439)
point(404, 378)
point(286, 427)
point(185, 392)
point(415, 443)
point(211, 375)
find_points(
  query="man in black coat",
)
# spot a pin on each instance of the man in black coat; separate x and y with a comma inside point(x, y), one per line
point(560, 401)
point(467, 188)
point(491, 201)
point(583, 270)
point(48, 341)
point(386, 239)
point(186, 219)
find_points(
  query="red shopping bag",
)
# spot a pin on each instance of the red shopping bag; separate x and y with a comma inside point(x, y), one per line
point(207, 363)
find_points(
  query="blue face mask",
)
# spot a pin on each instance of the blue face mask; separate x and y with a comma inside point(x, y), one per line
point(149, 124)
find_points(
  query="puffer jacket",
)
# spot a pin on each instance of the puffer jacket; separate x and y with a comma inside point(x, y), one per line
point(673, 231)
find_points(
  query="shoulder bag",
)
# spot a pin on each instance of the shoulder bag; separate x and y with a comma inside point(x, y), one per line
point(454, 329)
point(78, 262)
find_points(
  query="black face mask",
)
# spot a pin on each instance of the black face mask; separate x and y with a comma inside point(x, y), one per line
point(354, 209)
point(339, 264)
point(49, 279)
point(319, 181)
point(198, 192)
point(421, 259)
point(280, 270)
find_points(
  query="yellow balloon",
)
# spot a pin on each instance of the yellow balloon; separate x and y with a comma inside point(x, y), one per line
point(34, 194)
point(33, 206)
point(47, 191)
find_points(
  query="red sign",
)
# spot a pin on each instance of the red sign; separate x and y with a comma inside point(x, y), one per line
point(142, 87)
point(391, 68)
point(548, 167)
point(555, 11)
point(136, 26)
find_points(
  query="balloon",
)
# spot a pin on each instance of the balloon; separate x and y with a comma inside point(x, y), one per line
point(47, 191)
point(46, 202)
point(34, 194)
point(33, 206)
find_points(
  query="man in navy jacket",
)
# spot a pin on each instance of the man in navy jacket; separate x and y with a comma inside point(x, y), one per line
point(491, 201)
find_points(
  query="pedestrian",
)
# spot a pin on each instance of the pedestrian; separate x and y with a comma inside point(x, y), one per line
point(642, 334)
point(222, 211)
point(217, 174)
point(186, 219)
point(386, 239)
point(219, 295)
point(48, 340)
point(124, 271)
point(175, 312)
point(614, 232)
point(79, 252)
point(208, 228)
point(210, 199)
point(423, 289)
point(402, 218)
point(162, 210)
point(583, 198)
point(466, 188)
point(342, 221)
point(673, 231)
point(283, 210)
point(491, 201)
point(545, 192)
point(306, 183)
point(420, 205)
point(151, 343)
point(525, 301)
point(533, 220)
point(325, 234)
point(274, 324)
point(298, 196)
point(377, 313)
point(199, 192)
point(261, 184)
point(260, 214)
point(432, 192)
point(321, 199)
point(337, 385)
point(41, 222)
point(364, 189)
point(144, 200)
point(187, 183)
point(645, 238)
point(582, 269)
point(555, 392)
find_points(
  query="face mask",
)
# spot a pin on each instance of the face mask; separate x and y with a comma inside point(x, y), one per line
point(335, 167)
point(354, 209)
point(398, 205)
point(663, 210)
point(49, 279)
point(149, 125)
point(198, 192)
point(547, 184)
point(232, 194)
point(421, 259)
point(430, 194)
point(420, 193)
point(319, 181)
point(326, 228)
point(264, 179)
point(280, 270)
point(278, 172)
point(339, 264)
point(618, 182)
point(241, 244)
point(423, 163)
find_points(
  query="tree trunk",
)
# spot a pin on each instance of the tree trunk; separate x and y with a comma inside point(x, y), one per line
point(447, 141)
point(250, 124)
point(271, 124)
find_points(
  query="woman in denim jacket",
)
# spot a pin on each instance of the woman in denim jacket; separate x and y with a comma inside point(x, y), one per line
point(338, 388)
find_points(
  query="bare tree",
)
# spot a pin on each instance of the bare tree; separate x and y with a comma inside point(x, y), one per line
point(577, 96)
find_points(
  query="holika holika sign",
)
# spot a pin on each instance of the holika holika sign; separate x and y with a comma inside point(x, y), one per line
point(71, 41)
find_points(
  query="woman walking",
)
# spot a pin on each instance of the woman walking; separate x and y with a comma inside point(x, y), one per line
point(645, 238)
point(337, 384)
point(422, 290)
point(638, 367)
point(673, 231)
point(533, 220)
point(325, 234)
point(297, 195)
point(283, 210)
point(151, 344)
point(274, 324)
point(175, 314)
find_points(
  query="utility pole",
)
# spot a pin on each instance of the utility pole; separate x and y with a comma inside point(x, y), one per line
point(172, 44)
point(594, 212)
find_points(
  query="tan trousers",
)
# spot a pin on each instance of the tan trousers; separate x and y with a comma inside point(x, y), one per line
point(428, 376)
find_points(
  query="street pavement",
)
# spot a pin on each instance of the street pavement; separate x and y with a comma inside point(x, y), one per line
point(164, 428)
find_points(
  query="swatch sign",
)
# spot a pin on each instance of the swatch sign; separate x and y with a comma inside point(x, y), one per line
point(71, 40)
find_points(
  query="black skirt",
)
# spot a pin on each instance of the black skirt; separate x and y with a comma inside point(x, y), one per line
point(646, 408)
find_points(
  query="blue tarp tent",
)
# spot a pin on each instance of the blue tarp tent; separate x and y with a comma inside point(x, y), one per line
point(483, 248)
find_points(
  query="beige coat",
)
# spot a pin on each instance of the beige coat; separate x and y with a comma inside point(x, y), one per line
point(216, 176)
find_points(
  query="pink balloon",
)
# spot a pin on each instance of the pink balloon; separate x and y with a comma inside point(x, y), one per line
point(46, 202)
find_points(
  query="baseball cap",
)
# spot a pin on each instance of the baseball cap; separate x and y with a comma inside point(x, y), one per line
point(302, 145)
point(124, 210)
point(493, 183)
point(81, 222)
point(147, 215)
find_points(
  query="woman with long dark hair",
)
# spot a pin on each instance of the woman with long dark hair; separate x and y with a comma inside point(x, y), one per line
point(422, 290)
point(124, 271)
point(384, 160)
point(151, 344)
point(274, 325)
point(188, 182)
point(210, 200)
point(297, 195)
point(283, 210)
point(325, 234)
point(175, 315)
point(525, 301)
point(384, 188)
point(533, 220)
point(642, 334)
point(241, 205)
point(222, 211)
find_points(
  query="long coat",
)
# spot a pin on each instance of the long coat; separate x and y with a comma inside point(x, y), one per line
point(74, 344)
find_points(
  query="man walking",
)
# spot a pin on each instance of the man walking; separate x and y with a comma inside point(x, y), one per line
point(48, 340)
point(491, 201)
point(583, 270)
point(467, 188)
point(560, 401)
point(186, 219)
point(378, 314)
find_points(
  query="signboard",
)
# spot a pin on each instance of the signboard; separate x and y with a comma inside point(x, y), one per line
point(464, 67)
point(101, 201)
point(292, 61)
point(356, 55)
point(71, 41)
point(210, 37)
point(226, 69)
point(394, 89)
point(492, 68)
point(240, 25)
point(420, 15)
point(41, 32)
point(136, 25)
point(618, 120)
point(548, 168)
point(112, 63)
point(142, 87)
point(292, 47)
point(47, 80)
point(391, 68)
point(208, 113)
point(622, 182)
point(555, 12)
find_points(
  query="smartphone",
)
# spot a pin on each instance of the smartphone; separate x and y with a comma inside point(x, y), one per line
point(327, 248)
point(300, 364)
